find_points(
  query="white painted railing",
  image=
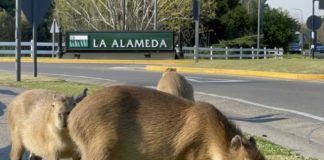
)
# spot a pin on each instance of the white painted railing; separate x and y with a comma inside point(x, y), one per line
point(227, 53)
point(8, 48)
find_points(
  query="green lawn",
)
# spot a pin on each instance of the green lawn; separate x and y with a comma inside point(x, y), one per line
point(289, 64)
point(270, 150)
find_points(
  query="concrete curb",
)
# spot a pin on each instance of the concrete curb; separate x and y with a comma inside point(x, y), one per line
point(281, 75)
point(241, 73)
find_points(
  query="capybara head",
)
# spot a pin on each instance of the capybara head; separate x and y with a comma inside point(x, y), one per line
point(61, 108)
point(169, 70)
point(242, 149)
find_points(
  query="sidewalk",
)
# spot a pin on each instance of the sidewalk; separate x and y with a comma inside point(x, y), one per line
point(300, 134)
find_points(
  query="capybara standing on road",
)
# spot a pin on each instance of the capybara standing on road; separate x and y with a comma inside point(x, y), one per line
point(37, 121)
point(136, 123)
point(174, 83)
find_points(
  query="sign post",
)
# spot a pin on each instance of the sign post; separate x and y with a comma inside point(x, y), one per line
point(18, 40)
point(196, 12)
point(35, 15)
point(54, 30)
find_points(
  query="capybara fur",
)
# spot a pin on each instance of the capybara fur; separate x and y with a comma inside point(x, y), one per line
point(137, 123)
point(37, 121)
point(174, 83)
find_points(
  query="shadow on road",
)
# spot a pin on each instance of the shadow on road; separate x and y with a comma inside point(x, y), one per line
point(7, 92)
point(5, 153)
point(260, 119)
point(2, 108)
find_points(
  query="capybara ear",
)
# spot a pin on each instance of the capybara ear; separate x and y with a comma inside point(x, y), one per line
point(80, 97)
point(170, 69)
point(236, 142)
point(252, 141)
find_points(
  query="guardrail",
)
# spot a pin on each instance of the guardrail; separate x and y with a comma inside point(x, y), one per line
point(43, 48)
point(227, 53)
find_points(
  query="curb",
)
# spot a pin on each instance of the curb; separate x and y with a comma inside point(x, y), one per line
point(281, 75)
point(241, 73)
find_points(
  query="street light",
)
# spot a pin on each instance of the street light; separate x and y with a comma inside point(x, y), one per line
point(258, 36)
point(155, 15)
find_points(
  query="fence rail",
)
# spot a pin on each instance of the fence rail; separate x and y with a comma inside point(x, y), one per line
point(227, 53)
point(43, 48)
point(46, 48)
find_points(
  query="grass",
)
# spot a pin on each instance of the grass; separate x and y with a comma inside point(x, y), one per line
point(289, 64)
point(55, 84)
point(276, 152)
point(269, 149)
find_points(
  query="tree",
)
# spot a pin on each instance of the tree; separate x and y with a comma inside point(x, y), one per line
point(6, 26)
point(237, 22)
point(279, 28)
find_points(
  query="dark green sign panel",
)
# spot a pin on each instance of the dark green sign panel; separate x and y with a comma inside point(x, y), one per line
point(119, 41)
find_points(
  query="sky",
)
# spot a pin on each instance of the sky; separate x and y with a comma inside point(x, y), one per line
point(298, 9)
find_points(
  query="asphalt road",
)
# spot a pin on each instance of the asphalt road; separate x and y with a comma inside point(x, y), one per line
point(299, 97)
point(289, 113)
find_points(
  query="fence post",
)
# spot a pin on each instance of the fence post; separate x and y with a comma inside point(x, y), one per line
point(31, 48)
point(226, 52)
point(276, 52)
point(211, 52)
point(265, 53)
point(252, 52)
point(241, 52)
point(177, 51)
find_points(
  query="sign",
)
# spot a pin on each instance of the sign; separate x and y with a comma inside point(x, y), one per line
point(317, 22)
point(40, 6)
point(54, 27)
point(120, 41)
point(320, 4)
point(195, 9)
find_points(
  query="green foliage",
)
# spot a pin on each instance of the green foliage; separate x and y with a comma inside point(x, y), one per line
point(245, 42)
point(7, 30)
point(237, 22)
point(279, 28)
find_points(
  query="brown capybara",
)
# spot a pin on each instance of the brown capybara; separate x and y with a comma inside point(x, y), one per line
point(136, 123)
point(37, 121)
point(174, 83)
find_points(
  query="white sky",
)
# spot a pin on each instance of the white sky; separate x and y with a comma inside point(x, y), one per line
point(298, 9)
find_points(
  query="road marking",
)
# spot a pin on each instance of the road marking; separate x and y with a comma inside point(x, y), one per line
point(264, 106)
point(213, 80)
point(87, 77)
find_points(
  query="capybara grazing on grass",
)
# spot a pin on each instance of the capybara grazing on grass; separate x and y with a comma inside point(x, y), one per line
point(38, 123)
point(176, 84)
point(136, 123)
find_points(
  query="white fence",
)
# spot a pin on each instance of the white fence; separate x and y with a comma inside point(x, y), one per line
point(8, 48)
point(227, 53)
point(46, 48)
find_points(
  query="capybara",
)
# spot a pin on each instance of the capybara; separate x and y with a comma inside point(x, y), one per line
point(137, 123)
point(174, 83)
point(37, 121)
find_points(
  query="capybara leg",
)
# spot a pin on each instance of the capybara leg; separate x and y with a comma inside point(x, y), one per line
point(76, 157)
point(32, 156)
point(17, 150)
point(52, 156)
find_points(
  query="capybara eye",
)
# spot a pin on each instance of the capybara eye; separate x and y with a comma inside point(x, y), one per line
point(67, 113)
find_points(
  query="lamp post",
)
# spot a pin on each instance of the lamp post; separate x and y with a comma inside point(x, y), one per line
point(301, 15)
point(313, 33)
point(155, 15)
